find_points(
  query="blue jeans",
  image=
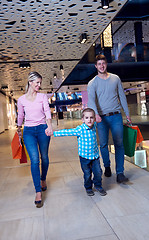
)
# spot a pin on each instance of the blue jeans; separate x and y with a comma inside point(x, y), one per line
point(89, 167)
point(115, 123)
point(37, 141)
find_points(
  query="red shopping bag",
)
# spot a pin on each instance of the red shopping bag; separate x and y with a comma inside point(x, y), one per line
point(139, 135)
point(23, 158)
point(18, 151)
point(16, 147)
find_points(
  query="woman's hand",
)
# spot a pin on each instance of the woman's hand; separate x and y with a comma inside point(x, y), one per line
point(49, 130)
point(19, 133)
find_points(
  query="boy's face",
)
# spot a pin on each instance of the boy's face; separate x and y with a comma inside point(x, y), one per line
point(88, 119)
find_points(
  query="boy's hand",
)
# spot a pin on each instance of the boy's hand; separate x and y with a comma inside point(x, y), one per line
point(98, 118)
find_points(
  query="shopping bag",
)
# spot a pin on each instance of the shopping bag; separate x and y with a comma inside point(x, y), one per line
point(129, 140)
point(139, 135)
point(140, 158)
point(16, 147)
point(23, 158)
point(26, 153)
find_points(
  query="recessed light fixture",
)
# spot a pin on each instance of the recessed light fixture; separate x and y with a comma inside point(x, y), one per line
point(61, 67)
point(55, 75)
point(83, 38)
point(4, 86)
point(105, 4)
point(24, 65)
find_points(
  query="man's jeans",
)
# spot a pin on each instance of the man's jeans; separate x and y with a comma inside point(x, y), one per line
point(115, 123)
point(34, 139)
point(89, 167)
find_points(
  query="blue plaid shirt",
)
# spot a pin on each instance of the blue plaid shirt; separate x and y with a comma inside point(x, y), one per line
point(87, 141)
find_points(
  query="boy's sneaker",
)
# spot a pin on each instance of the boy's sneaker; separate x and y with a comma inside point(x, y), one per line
point(101, 191)
point(108, 172)
point(121, 178)
point(90, 192)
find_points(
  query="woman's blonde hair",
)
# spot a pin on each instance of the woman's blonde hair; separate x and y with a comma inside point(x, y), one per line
point(32, 76)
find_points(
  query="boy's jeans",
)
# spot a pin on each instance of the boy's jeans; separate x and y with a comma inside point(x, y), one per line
point(35, 137)
point(115, 123)
point(89, 167)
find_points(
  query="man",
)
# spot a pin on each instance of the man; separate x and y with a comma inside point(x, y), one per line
point(106, 96)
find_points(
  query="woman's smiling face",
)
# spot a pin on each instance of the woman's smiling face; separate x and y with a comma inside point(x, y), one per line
point(35, 85)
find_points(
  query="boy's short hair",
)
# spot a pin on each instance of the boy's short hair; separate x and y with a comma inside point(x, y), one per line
point(88, 110)
point(100, 57)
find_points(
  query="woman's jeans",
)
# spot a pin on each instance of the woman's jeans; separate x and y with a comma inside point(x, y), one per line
point(115, 123)
point(37, 141)
point(89, 167)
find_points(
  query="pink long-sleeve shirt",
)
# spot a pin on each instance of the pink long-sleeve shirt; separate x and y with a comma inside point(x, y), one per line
point(35, 113)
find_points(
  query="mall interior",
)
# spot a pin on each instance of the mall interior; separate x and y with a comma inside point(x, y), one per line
point(60, 39)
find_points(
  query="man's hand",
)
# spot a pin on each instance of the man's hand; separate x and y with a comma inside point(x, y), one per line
point(98, 118)
point(129, 122)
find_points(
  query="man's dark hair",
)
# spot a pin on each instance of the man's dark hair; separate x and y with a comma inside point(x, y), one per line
point(100, 57)
point(88, 110)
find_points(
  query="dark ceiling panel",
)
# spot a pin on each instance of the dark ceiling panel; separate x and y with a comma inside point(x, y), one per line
point(128, 72)
point(134, 9)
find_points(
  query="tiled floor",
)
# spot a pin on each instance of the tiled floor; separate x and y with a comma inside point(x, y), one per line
point(68, 213)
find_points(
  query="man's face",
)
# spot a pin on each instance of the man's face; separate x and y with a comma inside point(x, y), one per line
point(88, 119)
point(101, 66)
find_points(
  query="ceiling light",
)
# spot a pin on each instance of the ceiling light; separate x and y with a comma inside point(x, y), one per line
point(61, 67)
point(55, 75)
point(83, 38)
point(4, 86)
point(105, 4)
point(24, 65)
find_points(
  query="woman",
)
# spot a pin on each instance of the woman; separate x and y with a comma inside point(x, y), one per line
point(34, 107)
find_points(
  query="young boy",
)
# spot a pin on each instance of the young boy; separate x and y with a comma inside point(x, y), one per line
point(88, 151)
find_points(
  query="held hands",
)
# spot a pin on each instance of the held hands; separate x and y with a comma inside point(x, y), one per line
point(98, 118)
point(49, 131)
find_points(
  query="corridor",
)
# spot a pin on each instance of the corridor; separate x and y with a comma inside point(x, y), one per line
point(68, 213)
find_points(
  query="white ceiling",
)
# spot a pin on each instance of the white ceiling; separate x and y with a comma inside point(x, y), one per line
point(47, 30)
